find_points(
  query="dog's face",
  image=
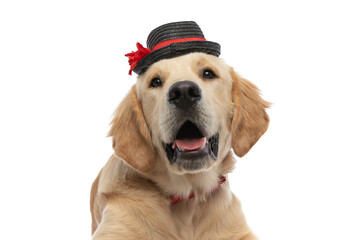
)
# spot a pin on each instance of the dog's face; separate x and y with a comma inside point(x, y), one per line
point(188, 107)
point(188, 112)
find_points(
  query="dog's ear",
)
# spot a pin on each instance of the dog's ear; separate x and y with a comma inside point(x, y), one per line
point(250, 120)
point(130, 134)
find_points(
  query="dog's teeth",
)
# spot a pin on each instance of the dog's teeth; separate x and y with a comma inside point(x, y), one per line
point(180, 149)
point(174, 146)
point(204, 144)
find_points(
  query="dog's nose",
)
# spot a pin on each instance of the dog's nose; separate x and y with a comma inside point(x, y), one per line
point(184, 94)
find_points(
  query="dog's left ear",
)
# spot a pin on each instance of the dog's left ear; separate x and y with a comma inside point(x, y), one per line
point(250, 120)
point(131, 136)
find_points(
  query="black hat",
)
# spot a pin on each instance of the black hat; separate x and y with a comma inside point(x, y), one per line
point(168, 41)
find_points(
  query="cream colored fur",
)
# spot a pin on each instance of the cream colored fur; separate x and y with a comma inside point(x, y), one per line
point(130, 196)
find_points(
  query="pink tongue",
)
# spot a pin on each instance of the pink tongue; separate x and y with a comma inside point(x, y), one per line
point(190, 144)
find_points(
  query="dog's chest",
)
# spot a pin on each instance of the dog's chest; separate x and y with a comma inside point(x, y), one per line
point(192, 219)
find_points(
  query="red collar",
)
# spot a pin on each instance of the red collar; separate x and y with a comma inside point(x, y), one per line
point(176, 199)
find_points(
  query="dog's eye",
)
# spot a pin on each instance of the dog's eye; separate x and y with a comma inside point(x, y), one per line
point(155, 82)
point(208, 74)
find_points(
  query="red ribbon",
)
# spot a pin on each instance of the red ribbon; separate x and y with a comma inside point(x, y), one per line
point(168, 42)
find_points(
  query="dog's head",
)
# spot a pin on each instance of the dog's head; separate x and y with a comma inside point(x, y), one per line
point(186, 113)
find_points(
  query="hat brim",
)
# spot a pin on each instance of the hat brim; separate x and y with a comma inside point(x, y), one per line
point(176, 50)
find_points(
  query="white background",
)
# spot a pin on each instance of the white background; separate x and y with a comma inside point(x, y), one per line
point(63, 72)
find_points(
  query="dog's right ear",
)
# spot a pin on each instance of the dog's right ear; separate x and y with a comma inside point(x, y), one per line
point(131, 136)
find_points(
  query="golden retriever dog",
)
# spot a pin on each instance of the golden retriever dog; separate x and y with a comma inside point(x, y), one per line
point(173, 136)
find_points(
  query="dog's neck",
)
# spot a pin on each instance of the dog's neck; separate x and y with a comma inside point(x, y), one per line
point(198, 184)
point(116, 171)
point(177, 199)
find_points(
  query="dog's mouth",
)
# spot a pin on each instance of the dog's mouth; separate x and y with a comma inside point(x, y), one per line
point(190, 145)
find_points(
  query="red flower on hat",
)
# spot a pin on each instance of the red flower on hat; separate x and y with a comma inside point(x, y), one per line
point(135, 57)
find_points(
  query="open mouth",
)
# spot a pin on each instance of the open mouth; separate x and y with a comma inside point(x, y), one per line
point(191, 145)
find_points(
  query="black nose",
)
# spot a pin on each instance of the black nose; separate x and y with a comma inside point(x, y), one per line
point(184, 94)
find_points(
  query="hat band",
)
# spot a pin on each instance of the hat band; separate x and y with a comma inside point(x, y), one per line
point(168, 42)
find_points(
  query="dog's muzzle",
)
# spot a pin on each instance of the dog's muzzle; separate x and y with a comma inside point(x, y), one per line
point(191, 148)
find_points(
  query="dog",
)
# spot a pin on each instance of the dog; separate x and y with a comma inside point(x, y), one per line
point(173, 137)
